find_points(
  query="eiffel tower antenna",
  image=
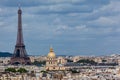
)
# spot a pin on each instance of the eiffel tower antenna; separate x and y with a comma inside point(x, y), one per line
point(19, 5)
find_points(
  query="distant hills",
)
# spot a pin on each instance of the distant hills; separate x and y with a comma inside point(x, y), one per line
point(5, 54)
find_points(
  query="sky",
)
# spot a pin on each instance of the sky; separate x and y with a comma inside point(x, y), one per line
point(72, 27)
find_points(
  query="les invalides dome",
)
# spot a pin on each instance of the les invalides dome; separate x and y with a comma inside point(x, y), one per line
point(51, 54)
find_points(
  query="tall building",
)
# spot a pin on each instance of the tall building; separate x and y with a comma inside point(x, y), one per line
point(20, 55)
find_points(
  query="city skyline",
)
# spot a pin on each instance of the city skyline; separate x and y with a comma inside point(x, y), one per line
point(72, 27)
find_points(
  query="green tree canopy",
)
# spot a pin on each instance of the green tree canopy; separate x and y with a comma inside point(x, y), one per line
point(39, 63)
point(10, 70)
point(87, 61)
point(22, 70)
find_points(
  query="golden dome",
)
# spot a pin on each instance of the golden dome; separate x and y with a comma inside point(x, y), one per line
point(51, 54)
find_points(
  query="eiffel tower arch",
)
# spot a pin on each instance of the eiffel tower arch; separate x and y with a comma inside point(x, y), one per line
point(20, 55)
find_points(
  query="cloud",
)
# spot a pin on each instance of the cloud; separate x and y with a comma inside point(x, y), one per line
point(83, 24)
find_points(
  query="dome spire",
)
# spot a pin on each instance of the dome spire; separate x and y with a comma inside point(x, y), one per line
point(51, 49)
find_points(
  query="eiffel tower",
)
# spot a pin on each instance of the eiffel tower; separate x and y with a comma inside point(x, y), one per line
point(20, 55)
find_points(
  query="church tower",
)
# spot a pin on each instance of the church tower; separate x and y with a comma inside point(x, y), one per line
point(20, 54)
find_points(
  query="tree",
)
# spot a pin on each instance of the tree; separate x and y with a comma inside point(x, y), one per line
point(44, 71)
point(74, 71)
point(87, 61)
point(10, 70)
point(22, 70)
point(39, 63)
point(104, 60)
point(69, 60)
